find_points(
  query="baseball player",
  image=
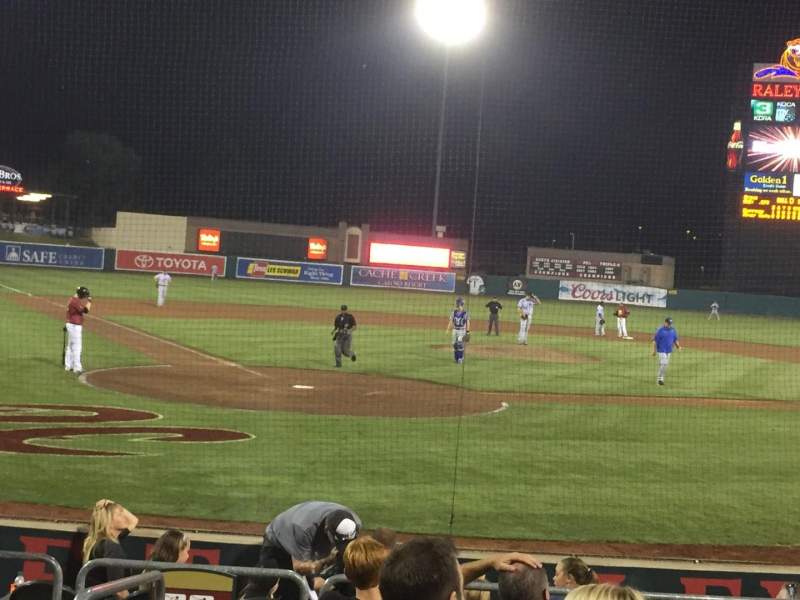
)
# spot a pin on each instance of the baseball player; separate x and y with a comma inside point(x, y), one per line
point(714, 311)
point(162, 283)
point(600, 319)
point(343, 327)
point(622, 314)
point(525, 310)
point(494, 316)
point(79, 305)
point(214, 272)
point(459, 323)
point(663, 341)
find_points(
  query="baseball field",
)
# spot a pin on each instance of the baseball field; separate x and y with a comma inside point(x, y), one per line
point(225, 405)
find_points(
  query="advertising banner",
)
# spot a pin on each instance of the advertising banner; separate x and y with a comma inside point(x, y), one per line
point(171, 262)
point(287, 270)
point(406, 279)
point(51, 255)
point(589, 291)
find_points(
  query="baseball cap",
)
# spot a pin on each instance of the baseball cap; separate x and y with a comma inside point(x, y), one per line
point(341, 526)
point(668, 320)
point(344, 307)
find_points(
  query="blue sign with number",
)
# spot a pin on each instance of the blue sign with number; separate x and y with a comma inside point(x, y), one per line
point(51, 255)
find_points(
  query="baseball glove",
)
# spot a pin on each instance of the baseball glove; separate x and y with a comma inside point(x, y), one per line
point(602, 321)
point(524, 317)
point(466, 337)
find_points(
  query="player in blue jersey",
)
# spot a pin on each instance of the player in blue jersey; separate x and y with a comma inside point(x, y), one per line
point(663, 341)
point(459, 323)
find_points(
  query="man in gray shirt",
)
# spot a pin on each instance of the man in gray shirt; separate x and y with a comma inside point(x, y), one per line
point(303, 538)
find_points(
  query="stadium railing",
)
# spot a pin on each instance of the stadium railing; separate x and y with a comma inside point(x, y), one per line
point(58, 574)
point(253, 572)
point(155, 578)
point(555, 592)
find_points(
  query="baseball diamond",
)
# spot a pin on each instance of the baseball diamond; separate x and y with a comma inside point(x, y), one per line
point(183, 361)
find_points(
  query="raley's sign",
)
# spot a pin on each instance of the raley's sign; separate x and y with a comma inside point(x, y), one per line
point(208, 239)
point(317, 249)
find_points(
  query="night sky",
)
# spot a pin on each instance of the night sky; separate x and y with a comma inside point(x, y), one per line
point(598, 115)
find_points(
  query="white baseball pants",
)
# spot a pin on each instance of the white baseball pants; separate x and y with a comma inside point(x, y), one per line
point(162, 295)
point(524, 327)
point(663, 363)
point(72, 357)
point(622, 327)
point(599, 328)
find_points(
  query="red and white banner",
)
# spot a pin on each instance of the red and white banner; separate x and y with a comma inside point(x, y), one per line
point(170, 262)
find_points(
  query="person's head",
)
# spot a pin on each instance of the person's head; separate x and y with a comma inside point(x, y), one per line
point(604, 591)
point(172, 546)
point(343, 308)
point(106, 522)
point(668, 322)
point(341, 528)
point(363, 559)
point(523, 583)
point(459, 303)
point(422, 569)
point(572, 572)
point(602, 302)
point(386, 536)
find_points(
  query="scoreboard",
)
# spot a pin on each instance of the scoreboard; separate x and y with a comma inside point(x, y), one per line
point(568, 268)
point(771, 186)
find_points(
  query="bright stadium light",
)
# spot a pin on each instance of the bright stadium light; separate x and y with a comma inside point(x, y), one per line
point(451, 22)
point(34, 197)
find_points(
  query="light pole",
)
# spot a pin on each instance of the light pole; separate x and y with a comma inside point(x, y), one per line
point(572, 240)
point(639, 240)
point(451, 23)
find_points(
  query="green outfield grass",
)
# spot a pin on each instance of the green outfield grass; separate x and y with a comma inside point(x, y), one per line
point(597, 472)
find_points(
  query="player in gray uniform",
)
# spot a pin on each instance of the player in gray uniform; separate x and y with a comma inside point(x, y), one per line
point(714, 314)
point(303, 538)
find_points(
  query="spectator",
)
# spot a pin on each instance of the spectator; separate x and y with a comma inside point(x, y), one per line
point(428, 569)
point(386, 536)
point(172, 546)
point(110, 524)
point(363, 559)
point(604, 591)
point(523, 583)
point(303, 538)
point(572, 572)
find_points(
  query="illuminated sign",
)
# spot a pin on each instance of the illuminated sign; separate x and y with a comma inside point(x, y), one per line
point(569, 268)
point(415, 256)
point(763, 110)
point(774, 149)
point(14, 189)
point(9, 176)
point(317, 249)
point(208, 240)
point(778, 183)
point(776, 90)
point(785, 112)
point(458, 259)
point(735, 146)
point(788, 67)
point(771, 208)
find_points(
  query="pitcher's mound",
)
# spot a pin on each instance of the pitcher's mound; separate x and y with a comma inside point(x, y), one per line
point(532, 352)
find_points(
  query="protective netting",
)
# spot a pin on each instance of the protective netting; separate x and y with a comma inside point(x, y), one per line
point(594, 132)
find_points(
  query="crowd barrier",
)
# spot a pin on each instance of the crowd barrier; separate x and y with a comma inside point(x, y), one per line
point(233, 571)
point(155, 578)
point(58, 574)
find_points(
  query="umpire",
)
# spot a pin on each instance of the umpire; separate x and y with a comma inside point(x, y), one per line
point(343, 326)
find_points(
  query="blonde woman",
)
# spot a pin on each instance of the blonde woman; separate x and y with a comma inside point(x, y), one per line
point(604, 591)
point(110, 523)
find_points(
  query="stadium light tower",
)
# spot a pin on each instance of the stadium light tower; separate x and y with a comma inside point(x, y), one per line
point(451, 23)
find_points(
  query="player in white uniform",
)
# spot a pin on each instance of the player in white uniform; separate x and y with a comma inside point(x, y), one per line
point(600, 319)
point(714, 314)
point(162, 282)
point(525, 310)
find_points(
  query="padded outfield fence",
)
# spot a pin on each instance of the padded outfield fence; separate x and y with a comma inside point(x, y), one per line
point(283, 159)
